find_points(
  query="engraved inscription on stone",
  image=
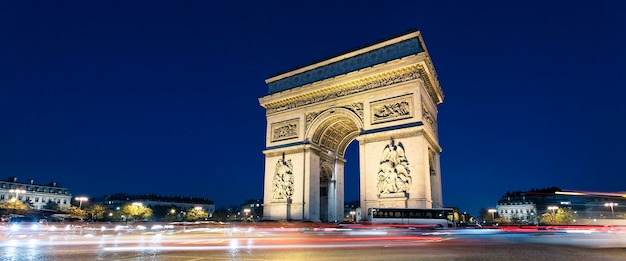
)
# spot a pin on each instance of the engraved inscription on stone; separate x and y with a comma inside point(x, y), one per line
point(285, 130)
point(392, 109)
point(393, 172)
point(282, 184)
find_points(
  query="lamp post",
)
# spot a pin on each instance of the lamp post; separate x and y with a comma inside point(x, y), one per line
point(611, 205)
point(80, 201)
point(352, 213)
point(493, 213)
point(553, 208)
point(17, 194)
point(247, 211)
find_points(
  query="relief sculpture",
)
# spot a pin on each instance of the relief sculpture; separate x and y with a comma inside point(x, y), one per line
point(283, 179)
point(393, 174)
point(392, 109)
point(285, 130)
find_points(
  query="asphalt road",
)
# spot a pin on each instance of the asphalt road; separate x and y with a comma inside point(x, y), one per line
point(279, 244)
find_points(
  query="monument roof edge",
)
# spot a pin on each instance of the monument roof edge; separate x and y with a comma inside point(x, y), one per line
point(348, 54)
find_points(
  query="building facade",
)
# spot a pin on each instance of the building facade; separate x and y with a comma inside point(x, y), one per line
point(36, 196)
point(526, 207)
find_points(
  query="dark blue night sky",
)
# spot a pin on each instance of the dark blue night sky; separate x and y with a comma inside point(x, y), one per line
point(162, 96)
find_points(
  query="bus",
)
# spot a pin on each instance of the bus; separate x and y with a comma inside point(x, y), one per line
point(435, 217)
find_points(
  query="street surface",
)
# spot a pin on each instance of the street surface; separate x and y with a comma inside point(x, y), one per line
point(311, 243)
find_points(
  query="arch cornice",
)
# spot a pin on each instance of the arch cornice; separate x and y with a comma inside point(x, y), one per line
point(399, 134)
point(291, 148)
point(404, 74)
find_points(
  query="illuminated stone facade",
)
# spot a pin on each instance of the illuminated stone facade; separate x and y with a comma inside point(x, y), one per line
point(36, 196)
point(385, 96)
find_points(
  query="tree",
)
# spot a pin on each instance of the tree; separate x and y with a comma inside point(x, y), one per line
point(51, 205)
point(74, 211)
point(165, 213)
point(96, 212)
point(502, 220)
point(560, 216)
point(485, 215)
point(136, 212)
point(13, 204)
point(196, 214)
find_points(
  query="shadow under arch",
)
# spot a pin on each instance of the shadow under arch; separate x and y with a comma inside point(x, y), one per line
point(334, 129)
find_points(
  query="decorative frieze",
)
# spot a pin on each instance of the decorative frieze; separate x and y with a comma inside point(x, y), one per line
point(392, 109)
point(352, 87)
point(285, 130)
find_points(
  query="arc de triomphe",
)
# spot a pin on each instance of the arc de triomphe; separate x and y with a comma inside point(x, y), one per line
point(385, 96)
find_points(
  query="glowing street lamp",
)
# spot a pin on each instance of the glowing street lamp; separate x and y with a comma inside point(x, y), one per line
point(247, 211)
point(553, 208)
point(611, 204)
point(17, 193)
point(493, 213)
point(80, 201)
point(352, 213)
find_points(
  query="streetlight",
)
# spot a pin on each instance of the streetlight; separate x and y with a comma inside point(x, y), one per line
point(352, 213)
point(80, 201)
point(17, 193)
point(611, 204)
point(247, 211)
point(553, 208)
point(493, 213)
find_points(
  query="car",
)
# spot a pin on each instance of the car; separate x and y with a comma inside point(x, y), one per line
point(26, 225)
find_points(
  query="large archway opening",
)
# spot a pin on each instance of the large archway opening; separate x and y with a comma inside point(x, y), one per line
point(334, 131)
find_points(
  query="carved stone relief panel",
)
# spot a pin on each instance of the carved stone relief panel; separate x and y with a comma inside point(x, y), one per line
point(429, 119)
point(285, 130)
point(394, 175)
point(392, 109)
point(283, 181)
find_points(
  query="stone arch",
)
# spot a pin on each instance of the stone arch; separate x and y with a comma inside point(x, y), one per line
point(331, 131)
point(385, 96)
point(334, 129)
